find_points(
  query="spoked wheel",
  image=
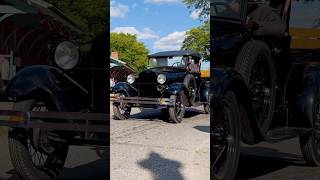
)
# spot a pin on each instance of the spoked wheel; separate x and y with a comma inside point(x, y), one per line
point(310, 144)
point(177, 112)
point(36, 154)
point(226, 139)
point(260, 91)
point(121, 110)
point(255, 64)
point(190, 83)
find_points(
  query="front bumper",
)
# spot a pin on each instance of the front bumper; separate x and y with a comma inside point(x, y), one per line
point(141, 101)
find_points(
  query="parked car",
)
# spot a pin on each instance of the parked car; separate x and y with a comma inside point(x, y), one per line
point(261, 89)
point(59, 92)
point(119, 71)
point(169, 83)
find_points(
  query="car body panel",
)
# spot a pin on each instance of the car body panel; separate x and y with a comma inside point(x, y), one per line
point(67, 94)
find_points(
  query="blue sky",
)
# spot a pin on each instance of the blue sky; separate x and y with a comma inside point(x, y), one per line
point(159, 24)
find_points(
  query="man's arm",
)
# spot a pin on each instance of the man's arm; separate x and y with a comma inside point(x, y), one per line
point(269, 22)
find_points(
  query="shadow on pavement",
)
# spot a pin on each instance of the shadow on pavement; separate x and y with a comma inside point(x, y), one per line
point(162, 168)
point(151, 114)
point(98, 169)
point(259, 161)
point(205, 129)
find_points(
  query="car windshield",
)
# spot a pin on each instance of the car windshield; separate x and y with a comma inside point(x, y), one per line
point(174, 61)
point(225, 8)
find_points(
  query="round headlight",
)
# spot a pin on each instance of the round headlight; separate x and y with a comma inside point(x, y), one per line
point(131, 78)
point(66, 55)
point(161, 78)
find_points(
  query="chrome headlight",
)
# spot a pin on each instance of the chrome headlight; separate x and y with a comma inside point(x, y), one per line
point(161, 78)
point(66, 55)
point(131, 78)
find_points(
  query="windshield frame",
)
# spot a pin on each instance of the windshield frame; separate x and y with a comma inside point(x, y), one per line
point(242, 14)
point(168, 59)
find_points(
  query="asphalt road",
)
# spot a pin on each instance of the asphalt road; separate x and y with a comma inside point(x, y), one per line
point(82, 163)
point(145, 147)
point(281, 161)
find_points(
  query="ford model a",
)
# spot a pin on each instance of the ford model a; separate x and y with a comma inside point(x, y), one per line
point(262, 89)
point(172, 82)
point(59, 92)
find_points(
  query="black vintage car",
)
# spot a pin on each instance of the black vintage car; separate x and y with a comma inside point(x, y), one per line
point(263, 88)
point(58, 91)
point(172, 82)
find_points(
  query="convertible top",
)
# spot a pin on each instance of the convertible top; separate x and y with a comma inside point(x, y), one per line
point(176, 53)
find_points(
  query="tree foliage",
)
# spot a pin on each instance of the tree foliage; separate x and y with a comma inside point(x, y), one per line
point(197, 39)
point(202, 5)
point(130, 50)
point(91, 15)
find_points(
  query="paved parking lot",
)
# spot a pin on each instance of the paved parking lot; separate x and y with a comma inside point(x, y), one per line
point(280, 161)
point(147, 148)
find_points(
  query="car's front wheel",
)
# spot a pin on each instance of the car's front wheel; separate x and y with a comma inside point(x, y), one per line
point(121, 110)
point(35, 155)
point(226, 136)
point(177, 111)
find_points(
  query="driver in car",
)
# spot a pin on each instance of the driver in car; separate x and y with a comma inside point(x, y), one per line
point(193, 66)
point(261, 20)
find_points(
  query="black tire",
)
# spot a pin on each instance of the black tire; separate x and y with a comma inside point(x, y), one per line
point(310, 148)
point(226, 136)
point(121, 111)
point(190, 83)
point(22, 142)
point(255, 64)
point(177, 112)
point(310, 144)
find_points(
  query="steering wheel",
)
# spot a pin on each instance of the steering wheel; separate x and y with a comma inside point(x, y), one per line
point(176, 63)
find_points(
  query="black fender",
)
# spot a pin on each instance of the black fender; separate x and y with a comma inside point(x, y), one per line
point(42, 80)
point(204, 91)
point(302, 93)
point(175, 89)
point(226, 79)
point(125, 87)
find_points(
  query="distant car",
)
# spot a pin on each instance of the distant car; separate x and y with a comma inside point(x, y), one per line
point(172, 82)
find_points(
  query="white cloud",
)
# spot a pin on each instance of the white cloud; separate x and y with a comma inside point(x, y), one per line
point(195, 14)
point(118, 10)
point(172, 41)
point(146, 33)
point(162, 1)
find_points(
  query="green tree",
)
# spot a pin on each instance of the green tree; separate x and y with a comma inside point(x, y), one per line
point(202, 5)
point(130, 50)
point(91, 15)
point(197, 39)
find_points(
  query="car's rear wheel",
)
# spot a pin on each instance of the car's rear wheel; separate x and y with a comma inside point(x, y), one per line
point(310, 144)
point(226, 136)
point(34, 154)
point(121, 110)
point(177, 111)
point(255, 64)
